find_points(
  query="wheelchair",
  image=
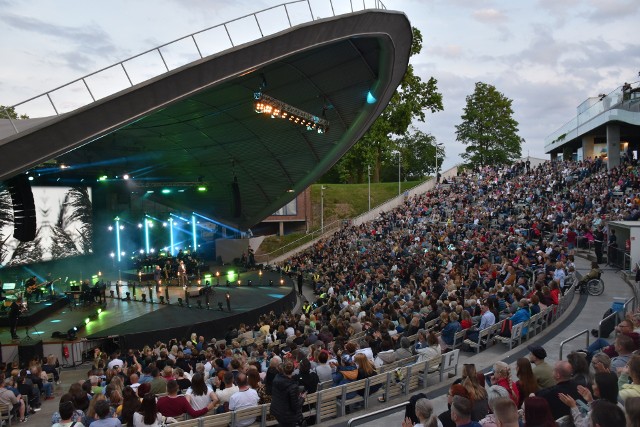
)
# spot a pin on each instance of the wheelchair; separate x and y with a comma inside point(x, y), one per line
point(593, 287)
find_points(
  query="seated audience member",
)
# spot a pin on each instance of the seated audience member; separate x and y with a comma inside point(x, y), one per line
point(77, 416)
point(103, 419)
point(404, 351)
point(542, 370)
point(424, 412)
point(224, 394)
point(14, 403)
point(200, 394)
point(601, 363)
point(306, 377)
point(526, 383)
point(148, 415)
point(67, 412)
point(580, 367)
point(623, 328)
point(606, 414)
point(565, 385)
point(455, 390)
point(173, 405)
point(630, 372)
point(505, 412)
point(323, 368)
point(494, 393)
point(502, 377)
point(538, 413)
point(605, 386)
point(245, 397)
point(158, 383)
point(632, 408)
point(477, 392)
point(461, 412)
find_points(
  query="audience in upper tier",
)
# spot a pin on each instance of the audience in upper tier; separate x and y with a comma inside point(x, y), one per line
point(492, 244)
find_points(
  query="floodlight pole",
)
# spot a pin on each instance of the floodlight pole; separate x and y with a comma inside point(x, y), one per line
point(322, 188)
point(369, 182)
point(437, 145)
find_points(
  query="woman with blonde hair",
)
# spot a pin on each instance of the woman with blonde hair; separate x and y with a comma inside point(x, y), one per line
point(502, 377)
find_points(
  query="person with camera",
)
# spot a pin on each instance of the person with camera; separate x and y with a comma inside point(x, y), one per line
point(286, 398)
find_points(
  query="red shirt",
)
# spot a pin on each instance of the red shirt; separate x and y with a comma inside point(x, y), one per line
point(178, 405)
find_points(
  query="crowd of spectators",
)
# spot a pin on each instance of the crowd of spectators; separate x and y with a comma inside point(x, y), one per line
point(490, 245)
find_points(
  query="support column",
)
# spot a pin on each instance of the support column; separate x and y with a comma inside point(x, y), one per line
point(281, 228)
point(587, 147)
point(554, 156)
point(613, 146)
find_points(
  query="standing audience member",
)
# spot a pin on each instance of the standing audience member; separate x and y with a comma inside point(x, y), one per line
point(286, 402)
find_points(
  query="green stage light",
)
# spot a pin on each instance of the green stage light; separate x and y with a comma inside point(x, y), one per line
point(166, 191)
point(103, 178)
point(231, 276)
point(86, 321)
point(99, 310)
point(202, 188)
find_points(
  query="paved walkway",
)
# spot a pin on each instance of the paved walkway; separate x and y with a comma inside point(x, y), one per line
point(584, 313)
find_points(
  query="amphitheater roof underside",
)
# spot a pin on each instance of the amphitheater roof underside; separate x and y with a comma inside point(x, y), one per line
point(198, 123)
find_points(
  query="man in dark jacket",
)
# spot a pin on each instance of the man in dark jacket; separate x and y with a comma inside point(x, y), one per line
point(562, 373)
point(286, 400)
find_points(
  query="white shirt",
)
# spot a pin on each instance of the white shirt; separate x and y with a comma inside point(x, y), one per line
point(225, 395)
point(200, 401)
point(244, 399)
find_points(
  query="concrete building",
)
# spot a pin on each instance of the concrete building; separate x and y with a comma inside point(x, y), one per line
point(606, 126)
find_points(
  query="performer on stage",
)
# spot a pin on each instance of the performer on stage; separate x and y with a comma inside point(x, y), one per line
point(182, 274)
point(14, 314)
point(33, 288)
point(157, 274)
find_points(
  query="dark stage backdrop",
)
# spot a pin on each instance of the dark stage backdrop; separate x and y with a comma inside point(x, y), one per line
point(63, 223)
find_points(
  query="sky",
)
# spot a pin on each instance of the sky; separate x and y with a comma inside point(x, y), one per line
point(548, 56)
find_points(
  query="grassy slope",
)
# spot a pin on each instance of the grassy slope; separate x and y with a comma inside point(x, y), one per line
point(341, 201)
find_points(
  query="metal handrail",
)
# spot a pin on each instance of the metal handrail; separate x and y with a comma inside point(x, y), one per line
point(378, 4)
point(376, 414)
point(573, 337)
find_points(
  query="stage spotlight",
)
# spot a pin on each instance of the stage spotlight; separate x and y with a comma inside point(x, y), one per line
point(249, 283)
point(87, 320)
point(100, 310)
point(281, 282)
point(180, 303)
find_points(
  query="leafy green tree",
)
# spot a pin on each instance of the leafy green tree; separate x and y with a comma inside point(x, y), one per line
point(418, 154)
point(410, 102)
point(488, 129)
point(10, 113)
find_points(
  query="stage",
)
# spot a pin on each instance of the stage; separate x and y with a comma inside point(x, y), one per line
point(135, 323)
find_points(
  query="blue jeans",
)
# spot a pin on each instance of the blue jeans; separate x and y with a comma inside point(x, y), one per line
point(596, 346)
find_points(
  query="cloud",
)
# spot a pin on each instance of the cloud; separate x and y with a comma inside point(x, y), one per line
point(447, 51)
point(489, 16)
point(612, 9)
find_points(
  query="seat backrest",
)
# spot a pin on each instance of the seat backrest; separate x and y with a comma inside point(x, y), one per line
point(250, 413)
point(218, 420)
point(516, 330)
point(193, 422)
point(327, 407)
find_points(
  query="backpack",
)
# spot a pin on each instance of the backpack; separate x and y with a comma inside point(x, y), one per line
point(505, 329)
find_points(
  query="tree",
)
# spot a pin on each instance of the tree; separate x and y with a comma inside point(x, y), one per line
point(10, 113)
point(410, 101)
point(418, 153)
point(488, 128)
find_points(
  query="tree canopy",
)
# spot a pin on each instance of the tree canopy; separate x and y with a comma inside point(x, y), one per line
point(410, 102)
point(488, 129)
point(10, 113)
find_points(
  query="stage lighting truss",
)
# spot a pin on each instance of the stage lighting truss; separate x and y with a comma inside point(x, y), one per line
point(264, 104)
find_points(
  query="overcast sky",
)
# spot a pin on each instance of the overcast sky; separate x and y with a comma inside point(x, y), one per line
point(546, 55)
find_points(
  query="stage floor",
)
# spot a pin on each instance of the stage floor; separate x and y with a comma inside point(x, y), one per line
point(125, 317)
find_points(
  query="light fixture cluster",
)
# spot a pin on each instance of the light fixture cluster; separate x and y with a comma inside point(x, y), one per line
point(265, 104)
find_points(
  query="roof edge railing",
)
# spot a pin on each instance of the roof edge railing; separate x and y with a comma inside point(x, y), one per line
point(57, 110)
